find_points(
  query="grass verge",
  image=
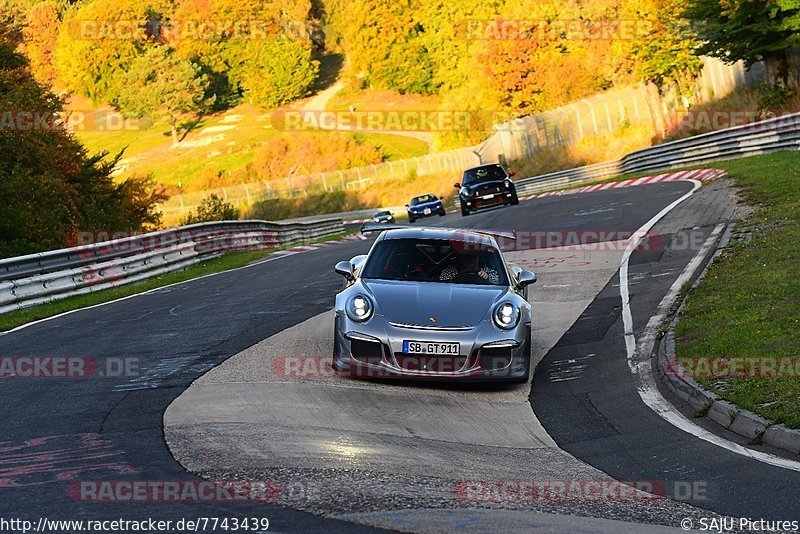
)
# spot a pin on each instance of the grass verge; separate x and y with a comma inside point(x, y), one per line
point(748, 305)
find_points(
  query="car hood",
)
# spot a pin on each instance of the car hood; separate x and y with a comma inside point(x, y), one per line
point(473, 186)
point(452, 305)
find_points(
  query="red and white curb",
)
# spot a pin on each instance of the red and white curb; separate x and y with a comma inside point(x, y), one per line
point(704, 175)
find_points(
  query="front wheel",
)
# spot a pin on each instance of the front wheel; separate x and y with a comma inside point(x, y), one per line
point(514, 199)
point(411, 220)
point(464, 212)
point(442, 213)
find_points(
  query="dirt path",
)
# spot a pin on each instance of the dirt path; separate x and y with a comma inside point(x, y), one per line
point(319, 102)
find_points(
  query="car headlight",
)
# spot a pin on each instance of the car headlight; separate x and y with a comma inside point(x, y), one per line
point(507, 184)
point(359, 308)
point(464, 191)
point(506, 315)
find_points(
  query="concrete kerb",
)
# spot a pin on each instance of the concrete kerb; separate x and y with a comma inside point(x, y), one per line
point(706, 403)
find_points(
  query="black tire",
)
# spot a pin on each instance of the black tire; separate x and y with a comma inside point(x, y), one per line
point(442, 213)
point(464, 212)
point(514, 199)
point(411, 220)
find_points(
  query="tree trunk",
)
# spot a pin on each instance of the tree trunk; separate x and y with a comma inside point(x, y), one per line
point(174, 128)
point(777, 68)
point(793, 67)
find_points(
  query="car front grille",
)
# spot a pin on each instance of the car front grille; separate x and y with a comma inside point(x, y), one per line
point(488, 190)
point(431, 363)
point(367, 351)
point(495, 358)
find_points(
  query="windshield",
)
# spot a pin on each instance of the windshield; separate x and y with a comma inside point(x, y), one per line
point(382, 214)
point(484, 174)
point(435, 260)
point(422, 199)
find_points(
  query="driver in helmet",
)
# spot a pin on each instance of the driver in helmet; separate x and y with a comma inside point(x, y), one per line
point(468, 263)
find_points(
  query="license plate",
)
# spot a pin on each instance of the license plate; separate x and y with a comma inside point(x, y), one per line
point(427, 211)
point(487, 197)
point(431, 347)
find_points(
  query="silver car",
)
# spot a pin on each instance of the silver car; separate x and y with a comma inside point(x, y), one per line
point(384, 216)
point(433, 303)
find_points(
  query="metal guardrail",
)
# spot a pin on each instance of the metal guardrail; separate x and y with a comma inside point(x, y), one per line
point(47, 276)
point(763, 137)
point(350, 215)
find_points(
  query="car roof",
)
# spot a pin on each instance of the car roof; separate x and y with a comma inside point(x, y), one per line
point(484, 166)
point(448, 234)
point(426, 195)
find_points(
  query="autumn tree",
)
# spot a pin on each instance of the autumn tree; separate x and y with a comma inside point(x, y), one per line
point(259, 50)
point(384, 46)
point(449, 37)
point(749, 30)
point(164, 87)
point(50, 186)
point(98, 42)
point(535, 55)
point(664, 51)
point(272, 72)
point(39, 37)
point(12, 19)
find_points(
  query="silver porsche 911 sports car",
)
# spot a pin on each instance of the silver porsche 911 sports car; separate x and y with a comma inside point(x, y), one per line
point(432, 303)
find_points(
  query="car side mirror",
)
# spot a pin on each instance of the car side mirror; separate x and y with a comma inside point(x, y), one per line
point(441, 198)
point(525, 278)
point(345, 268)
point(406, 205)
point(357, 261)
point(457, 185)
point(512, 173)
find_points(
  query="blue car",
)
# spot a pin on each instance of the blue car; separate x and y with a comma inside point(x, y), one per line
point(425, 206)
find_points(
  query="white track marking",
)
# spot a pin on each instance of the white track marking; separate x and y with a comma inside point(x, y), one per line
point(277, 255)
point(647, 389)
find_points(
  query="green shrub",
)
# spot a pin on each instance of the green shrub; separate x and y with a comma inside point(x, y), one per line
point(213, 208)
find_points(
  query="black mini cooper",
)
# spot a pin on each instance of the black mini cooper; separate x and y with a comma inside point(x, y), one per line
point(486, 186)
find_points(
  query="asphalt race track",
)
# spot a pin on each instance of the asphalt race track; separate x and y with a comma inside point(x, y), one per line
point(214, 395)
